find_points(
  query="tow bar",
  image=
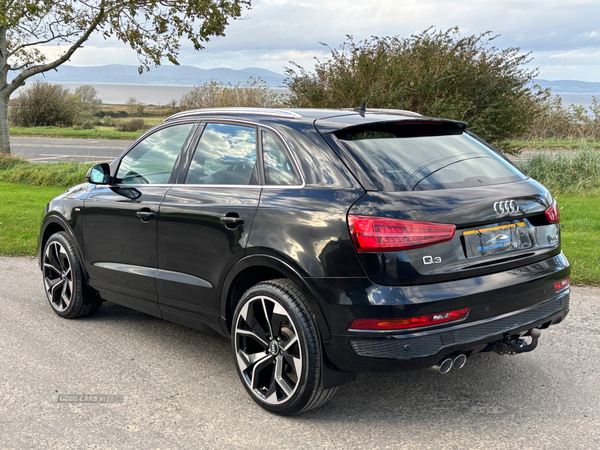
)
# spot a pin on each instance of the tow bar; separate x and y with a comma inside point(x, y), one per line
point(511, 346)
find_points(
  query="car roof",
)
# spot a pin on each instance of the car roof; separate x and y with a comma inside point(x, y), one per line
point(325, 120)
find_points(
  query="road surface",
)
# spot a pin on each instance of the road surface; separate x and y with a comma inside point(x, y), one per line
point(176, 388)
point(36, 149)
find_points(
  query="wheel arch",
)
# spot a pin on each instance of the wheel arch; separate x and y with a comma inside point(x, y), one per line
point(254, 269)
point(55, 224)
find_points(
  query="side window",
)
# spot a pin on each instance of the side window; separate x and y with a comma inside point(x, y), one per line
point(226, 154)
point(279, 169)
point(152, 160)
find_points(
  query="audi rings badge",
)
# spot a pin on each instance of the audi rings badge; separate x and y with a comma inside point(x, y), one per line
point(506, 207)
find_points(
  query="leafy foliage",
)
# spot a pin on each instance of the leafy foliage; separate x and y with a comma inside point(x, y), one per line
point(434, 73)
point(153, 28)
point(254, 93)
point(555, 121)
point(131, 125)
point(43, 104)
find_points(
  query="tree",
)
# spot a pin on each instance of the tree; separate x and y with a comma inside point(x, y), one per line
point(87, 96)
point(153, 28)
point(434, 73)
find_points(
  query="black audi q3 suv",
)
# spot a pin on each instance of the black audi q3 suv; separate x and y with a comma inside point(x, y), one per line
point(324, 243)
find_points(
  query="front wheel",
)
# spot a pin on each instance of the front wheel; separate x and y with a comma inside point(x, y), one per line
point(63, 278)
point(277, 350)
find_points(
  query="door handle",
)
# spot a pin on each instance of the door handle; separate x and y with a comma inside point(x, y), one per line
point(232, 221)
point(145, 216)
point(228, 220)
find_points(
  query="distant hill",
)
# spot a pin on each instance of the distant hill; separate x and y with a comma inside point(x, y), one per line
point(570, 86)
point(166, 75)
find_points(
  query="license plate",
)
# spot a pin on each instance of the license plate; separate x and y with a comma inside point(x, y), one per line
point(494, 240)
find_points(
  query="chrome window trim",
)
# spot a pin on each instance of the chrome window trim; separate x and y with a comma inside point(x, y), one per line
point(242, 122)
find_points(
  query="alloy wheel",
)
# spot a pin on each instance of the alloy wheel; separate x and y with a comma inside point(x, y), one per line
point(268, 350)
point(58, 276)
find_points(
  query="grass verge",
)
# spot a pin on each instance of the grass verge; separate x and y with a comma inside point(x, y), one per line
point(575, 173)
point(58, 132)
point(17, 170)
point(20, 214)
point(580, 231)
point(554, 144)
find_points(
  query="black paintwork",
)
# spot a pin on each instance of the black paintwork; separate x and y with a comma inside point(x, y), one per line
point(165, 250)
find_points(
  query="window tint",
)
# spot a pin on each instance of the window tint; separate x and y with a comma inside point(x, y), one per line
point(226, 154)
point(423, 157)
point(279, 169)
point(152, 160)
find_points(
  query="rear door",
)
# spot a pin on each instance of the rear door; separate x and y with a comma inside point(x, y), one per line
point(119, 221)
point(205, 220)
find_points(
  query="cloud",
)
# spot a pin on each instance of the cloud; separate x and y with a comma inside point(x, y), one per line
point(277, 31)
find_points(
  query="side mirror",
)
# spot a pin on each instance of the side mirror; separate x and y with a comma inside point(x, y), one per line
point(99, 174)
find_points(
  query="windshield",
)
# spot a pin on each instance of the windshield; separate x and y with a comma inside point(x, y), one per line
point(412, 157)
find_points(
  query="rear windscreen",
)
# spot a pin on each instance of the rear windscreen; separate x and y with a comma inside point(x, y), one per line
point(413, 157)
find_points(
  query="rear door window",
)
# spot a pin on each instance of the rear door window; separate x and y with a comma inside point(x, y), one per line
point(225, 155)
point(413, 157)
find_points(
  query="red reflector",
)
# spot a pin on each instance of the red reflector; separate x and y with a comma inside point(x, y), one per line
point(553, 214)
point(409, 322)
point(374, 234)
point(562, 284)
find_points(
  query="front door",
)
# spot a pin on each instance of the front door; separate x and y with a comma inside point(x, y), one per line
point(120, 220)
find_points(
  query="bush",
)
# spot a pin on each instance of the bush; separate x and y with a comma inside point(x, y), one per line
point(557, 122)
point(43, 104)
point(435, 73)
point(134, 106)
point(132, 125)
point(572, 172)
point(253, 93)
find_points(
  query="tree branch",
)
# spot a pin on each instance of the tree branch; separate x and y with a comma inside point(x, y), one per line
point(27, 73)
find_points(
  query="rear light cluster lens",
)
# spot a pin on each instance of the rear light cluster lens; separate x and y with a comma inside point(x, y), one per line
point(409, 322)
point(562, 284)
point(374, 234)
point(553, 214)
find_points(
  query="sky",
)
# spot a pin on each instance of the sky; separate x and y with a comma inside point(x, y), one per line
point(564, 36)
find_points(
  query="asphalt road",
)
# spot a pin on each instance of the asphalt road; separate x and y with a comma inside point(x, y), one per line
point(179, 388)
point(37, 149)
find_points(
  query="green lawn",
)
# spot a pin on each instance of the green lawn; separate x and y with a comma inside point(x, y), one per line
point(21, 209)
point(580, 230)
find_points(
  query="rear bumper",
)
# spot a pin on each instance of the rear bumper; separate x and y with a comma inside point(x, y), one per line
point(422, 350)
point(503, 303)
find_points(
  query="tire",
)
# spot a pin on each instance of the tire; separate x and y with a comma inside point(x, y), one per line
point(63, 279)
point(277, 350)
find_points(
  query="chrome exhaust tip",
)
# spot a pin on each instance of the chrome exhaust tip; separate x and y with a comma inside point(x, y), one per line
point(460, 361)
point(445, 366)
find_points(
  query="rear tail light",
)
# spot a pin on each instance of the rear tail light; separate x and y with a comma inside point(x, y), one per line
point(409, 322)
point(374, 234)
point(562, 284)
point(553, 214)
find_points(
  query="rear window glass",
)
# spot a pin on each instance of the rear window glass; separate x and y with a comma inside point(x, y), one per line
point(413, 157)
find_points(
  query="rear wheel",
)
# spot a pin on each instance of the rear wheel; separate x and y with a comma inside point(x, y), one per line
point(63, 278)
point(277, 349)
